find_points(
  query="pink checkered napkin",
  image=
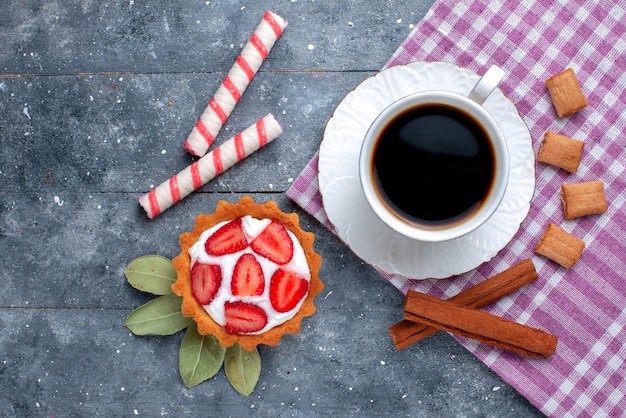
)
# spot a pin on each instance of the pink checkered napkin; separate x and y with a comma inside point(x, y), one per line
point(586, 305)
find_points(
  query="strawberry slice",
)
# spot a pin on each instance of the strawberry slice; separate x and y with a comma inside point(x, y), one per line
point(229, 239)
point(206, 280)
point(242, 317)
point(286, 290)
point(248, 278)
point(274, 243)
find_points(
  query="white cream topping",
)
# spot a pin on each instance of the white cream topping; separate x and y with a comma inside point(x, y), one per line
point(252, 227)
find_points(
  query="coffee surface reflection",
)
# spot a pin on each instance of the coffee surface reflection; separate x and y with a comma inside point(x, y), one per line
point(433, 165)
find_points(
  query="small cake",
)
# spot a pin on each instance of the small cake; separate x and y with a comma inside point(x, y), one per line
point(247, 273)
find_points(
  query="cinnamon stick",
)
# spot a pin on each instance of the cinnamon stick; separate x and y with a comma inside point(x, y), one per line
point(405, 332)
point(478, 325)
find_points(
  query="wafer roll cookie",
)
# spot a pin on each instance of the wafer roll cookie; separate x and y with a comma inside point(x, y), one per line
point(210, 166)
point(561, 151)
point(560, 246)
point(582, 199)
point(235, 83)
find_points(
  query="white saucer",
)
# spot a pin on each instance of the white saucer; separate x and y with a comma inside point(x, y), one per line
point(355, 222)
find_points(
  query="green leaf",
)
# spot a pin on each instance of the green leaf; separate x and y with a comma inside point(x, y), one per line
point(160, 316)
point(151, 273)
point(242, 368)
point(201, 356)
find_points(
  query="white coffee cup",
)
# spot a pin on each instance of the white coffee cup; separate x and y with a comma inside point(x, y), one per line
point(434, 165)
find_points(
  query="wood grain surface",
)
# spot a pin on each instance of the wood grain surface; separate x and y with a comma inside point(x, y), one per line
point(96, 99)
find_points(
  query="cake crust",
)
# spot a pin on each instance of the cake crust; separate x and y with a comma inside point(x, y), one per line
point(225, 211)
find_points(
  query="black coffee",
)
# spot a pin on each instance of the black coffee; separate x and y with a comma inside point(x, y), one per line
point(434, 165)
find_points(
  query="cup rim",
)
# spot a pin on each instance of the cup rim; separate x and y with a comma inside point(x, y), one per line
point(420, 232)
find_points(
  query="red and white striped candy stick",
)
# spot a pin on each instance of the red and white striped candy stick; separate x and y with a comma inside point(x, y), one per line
point(235, 83)
point(210, 166)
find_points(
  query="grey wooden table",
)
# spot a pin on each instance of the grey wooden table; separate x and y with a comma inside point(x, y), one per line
point(96, 98)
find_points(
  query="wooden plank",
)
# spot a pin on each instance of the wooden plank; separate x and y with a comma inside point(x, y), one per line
point(68, 37)
point(125, 133)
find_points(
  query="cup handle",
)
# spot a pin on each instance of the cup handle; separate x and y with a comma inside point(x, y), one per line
point(487, 84)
